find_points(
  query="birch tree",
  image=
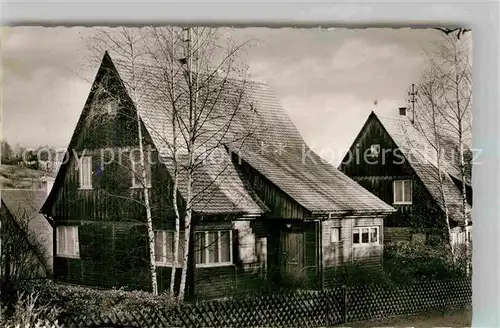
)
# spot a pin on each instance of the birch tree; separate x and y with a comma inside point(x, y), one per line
point(197, 78)
point(128, 45)
point(445, 110)
point(199, 86)
point(429, 122)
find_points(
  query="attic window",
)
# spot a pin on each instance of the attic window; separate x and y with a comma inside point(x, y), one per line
point(374, 150)
point(402, 191)
point(85, 172)
point(111, 107)
point(136, 167)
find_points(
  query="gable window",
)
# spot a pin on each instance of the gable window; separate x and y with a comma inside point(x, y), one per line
point(402, 190)
point(111, 107)
point(374, 150)
point(164, 248)
point(137, 169)
point(213, 248)
point(85, 172)
point(335, 235)
point(365, 236)
point(67, 241)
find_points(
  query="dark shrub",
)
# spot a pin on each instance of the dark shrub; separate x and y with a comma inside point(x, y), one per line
point(356, 274)
point(71, 300)
point(408, 262)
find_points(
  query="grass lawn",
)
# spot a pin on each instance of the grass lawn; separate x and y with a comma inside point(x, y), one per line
point(452, 318)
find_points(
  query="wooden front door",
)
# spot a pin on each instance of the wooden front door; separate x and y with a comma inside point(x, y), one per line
point(293, 256)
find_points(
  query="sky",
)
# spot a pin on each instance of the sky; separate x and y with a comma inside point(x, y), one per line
point(326, 79)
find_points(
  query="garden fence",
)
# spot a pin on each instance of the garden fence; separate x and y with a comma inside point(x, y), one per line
point(325, 308)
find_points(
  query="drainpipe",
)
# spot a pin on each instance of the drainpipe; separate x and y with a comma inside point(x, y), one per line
point(320, 254)
point(319, 243)
point(352, 248)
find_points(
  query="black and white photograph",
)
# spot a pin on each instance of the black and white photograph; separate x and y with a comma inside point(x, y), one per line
point(200, 176)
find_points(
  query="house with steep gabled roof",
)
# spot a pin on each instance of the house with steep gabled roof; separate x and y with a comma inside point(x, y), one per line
point(267, 209)
point(392, 159)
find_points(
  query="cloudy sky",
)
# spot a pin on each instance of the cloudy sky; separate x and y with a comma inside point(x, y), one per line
point(327, 80)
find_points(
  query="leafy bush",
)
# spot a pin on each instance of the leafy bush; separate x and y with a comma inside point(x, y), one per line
point(70, 300)
point(408, 262)
point(357, 274)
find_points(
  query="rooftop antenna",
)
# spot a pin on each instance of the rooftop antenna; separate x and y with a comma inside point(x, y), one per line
point(411, 94)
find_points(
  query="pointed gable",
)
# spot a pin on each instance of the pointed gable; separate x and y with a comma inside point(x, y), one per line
point(272, 145)
point(422, 158)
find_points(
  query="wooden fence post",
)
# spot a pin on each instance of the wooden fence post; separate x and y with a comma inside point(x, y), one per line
point(345, 307)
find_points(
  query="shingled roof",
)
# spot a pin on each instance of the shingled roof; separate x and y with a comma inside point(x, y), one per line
point(24, 206)
point(422, 157)
point(273, 146)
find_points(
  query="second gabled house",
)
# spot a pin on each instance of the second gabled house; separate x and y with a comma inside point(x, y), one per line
point(396, 162)
point(271, 212)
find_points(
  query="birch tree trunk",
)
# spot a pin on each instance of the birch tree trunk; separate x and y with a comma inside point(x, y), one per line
point(200, 109)
point(429, 121)
point(441, 187)
point(145, 189)
point(151, 236)
point(176, 173)
point(189, 186)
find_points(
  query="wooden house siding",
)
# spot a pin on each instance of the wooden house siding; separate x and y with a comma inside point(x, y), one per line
point(343, 251)
point(280, 204)
point(377, 176)
point(111, 220)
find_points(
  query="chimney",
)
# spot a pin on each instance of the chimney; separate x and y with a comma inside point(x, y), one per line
point(402, 111)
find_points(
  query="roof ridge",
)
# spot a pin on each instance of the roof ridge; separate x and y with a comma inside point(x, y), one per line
point(145, 64)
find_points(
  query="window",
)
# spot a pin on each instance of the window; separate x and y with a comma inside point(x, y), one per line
point(164, 248)
point(213, 248)
point(85, 169)
point(67, 241)
point(111, 107)
point(335, 235)
point(137, 169)
point(374, 151)
point(365, 236)
point(402, 191)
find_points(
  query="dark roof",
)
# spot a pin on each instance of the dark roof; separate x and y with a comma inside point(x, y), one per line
point(313, 183)
point(25, 204)
point(422, 157)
